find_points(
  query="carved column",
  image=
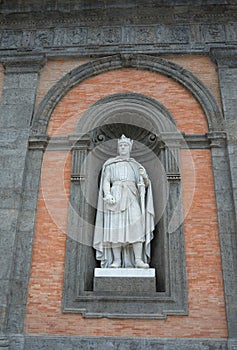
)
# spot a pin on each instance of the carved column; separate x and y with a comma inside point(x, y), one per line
point(173, 213)
point(17, 105)
point(78, 206)
point(79, 240)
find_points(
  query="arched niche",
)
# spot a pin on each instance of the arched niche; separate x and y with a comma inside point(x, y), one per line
point(78, 295)
point(156, 146)
point(139, 61)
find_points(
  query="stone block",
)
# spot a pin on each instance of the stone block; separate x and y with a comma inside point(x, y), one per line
point(232, 344)
point(43, 342)
point(6, 249)
point(4, 283)
point(18, 97)
point(8, 218)
point(23, 244)
point(28, 81)
point(11, 80)
point(9, 116)
point(124, 280)
point(9, 198)
point(27, 220)
point(16, 342)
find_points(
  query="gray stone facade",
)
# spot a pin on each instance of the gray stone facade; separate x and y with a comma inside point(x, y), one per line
point(108, 343)
point(111, 35)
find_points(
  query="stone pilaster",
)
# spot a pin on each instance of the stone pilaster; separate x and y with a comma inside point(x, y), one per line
point(226, 61)
point(225, 174)
point(17, 106)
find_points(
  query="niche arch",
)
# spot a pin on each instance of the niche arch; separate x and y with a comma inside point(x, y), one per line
point(76, 296)
point(157, 143)
point(139, 61)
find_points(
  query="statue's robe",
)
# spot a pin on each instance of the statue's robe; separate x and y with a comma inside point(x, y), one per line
point(130, 219)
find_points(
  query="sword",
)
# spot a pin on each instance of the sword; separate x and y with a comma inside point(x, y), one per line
point(141, 187)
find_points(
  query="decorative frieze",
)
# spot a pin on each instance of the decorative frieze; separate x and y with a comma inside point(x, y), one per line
point(164, 36)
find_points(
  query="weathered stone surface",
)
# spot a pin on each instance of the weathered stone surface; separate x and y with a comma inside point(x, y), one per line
point(102, 28)
point(17, 103)
point(109, 343)
point(127, 27)
point(23, 244)
point(226, 182)
point(127, 280)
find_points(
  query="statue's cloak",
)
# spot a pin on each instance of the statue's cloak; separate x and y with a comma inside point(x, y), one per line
point(104, 251)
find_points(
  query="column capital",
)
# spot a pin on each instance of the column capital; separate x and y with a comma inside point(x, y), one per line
point(18, 64)
point(224, 57)
point(38, 142)
point(217, 139)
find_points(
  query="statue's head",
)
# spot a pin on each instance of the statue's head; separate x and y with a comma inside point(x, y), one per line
point(124, 141)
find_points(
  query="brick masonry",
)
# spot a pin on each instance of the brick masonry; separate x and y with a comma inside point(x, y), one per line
point(205, 288)
point(67, 113)
point(118, 34)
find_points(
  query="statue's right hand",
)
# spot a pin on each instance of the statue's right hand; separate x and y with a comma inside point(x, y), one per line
point(109, 199)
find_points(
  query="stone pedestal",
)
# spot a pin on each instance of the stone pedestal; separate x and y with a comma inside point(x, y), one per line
point(124, 280)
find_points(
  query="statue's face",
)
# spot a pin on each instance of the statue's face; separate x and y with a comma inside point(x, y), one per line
point(124, 149)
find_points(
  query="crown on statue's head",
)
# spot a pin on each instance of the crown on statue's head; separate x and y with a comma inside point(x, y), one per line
point(124, 139)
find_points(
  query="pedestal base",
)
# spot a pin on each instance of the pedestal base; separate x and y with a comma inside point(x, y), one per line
point(124, 280)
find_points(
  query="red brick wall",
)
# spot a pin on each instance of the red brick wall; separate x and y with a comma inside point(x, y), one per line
point(186, 110)
point(53, 71)
point(205, 290)
point(203, 68)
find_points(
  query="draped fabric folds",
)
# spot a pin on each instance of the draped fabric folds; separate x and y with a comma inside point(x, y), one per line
point(130, 219)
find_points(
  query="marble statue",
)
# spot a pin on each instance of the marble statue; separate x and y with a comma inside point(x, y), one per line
point(125, 214)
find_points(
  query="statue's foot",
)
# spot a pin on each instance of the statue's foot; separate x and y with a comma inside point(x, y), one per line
point(116, 264)
point(141, 265)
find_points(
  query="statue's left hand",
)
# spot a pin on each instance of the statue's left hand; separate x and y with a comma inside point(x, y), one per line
point(142, 171)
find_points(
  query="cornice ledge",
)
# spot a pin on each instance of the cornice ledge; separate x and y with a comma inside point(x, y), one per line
point(79, 141)
point(44, 142)
point(217, 139)
point(224, 57)
point(38, 142)
point(29, 63)
point(89, 14)
point(172, 139)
